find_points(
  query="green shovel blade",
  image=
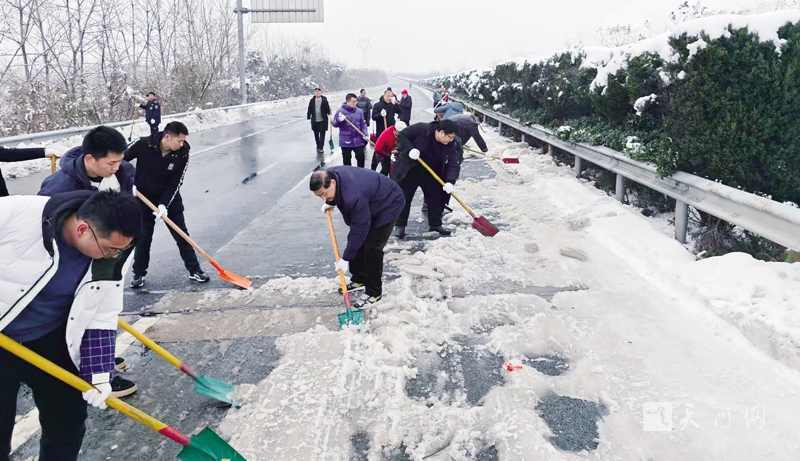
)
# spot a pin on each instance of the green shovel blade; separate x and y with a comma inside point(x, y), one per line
point(351, 317)
point(215, 389)
point(208, 446)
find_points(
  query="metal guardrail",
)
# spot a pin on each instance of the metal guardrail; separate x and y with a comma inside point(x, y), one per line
point(772, 220)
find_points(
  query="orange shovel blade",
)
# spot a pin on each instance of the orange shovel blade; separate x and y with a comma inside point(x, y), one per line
point(230, 277)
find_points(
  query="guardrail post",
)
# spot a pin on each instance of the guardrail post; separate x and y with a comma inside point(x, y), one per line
point(681, 220)
point(500, 127)
point(620, 190)
point(578, 166)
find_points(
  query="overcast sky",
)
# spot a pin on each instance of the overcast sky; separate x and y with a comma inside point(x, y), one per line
point(418, 36)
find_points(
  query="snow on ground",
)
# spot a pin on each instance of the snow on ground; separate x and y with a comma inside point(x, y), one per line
point(198, 120)
point(504, 348)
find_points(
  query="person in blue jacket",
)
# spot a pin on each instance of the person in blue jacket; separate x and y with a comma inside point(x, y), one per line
point(370, 204)
point(350, 140)
point(152, 113)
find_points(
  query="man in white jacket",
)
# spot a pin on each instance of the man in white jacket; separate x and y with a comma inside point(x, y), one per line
point(62, 264)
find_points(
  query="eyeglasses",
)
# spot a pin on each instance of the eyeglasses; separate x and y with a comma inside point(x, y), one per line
point(112, 251)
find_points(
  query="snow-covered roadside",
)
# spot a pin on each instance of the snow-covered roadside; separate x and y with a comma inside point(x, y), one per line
point(199, 120)
point(633, 324)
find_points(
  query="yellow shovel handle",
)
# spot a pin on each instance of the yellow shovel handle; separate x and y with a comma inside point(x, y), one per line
point(422, 162)
point(150, 343)
point(56, 371)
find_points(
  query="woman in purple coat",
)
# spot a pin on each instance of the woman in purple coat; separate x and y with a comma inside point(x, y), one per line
point(350, 140)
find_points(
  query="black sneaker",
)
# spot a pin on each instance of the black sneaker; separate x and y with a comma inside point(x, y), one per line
point(138, 281)
point(122, 387)
point(353, 286)
point(366, 301)
point(199, 276)
point(400, 232)
point(120, 365)
point(440, 229)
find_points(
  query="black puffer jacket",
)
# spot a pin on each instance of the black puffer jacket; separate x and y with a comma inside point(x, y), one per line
point(159, 177)
point(443, 159)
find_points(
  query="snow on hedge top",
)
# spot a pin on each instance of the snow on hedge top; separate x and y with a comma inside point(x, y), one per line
point(765, 25)
point(609, 60)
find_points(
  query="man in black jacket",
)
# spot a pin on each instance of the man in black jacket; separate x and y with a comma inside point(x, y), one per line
point(384, 110)
point(405, 104)
point(318, 111)
point(433, 143)
point(20, 155)
point(365, 104)
point(161, 164)
point(152, 113)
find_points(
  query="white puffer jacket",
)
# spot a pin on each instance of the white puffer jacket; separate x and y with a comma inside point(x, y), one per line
point(26, 266)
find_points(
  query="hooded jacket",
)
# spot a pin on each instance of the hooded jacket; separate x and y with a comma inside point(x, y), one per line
point(348, 136)
point(29, 257)
point(159, 177)
point(449, 109)
point(443, 159)
point(73, 176)
point(367, 200)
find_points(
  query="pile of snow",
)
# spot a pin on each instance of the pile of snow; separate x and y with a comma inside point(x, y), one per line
point(196, 120)
point(451, 368)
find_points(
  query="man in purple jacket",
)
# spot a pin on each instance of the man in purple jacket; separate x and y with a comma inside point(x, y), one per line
point(350, 140)
point(370, 204)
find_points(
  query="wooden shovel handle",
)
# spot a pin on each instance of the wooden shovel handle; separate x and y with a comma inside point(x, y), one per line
point(436, 177)
point(52, 164)
point(336, 254)
point(176, 228)
point(359, 132)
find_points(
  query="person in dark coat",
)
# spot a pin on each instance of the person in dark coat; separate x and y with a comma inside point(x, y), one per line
point(365, 104)
point(152, 112)
point(97, 164)
point(387, 108)
point(437, 96)
point(434, 143)
point(350, 140)
point(405, 104)
point(468, 128)
point(20, 155)
point(318, 112)
point(161, 164)
point(370, 204)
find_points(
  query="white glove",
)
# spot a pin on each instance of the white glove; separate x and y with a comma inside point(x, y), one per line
point(383, 112)
point(413, 154)
point(134, 191)
point(97, 397)
point(162, 211)
point(152, 121)
point(341, 117)
point(394, 100)
point(51, 152)
point(342, 265)
point(448, 188)
point(325, 207)
point(366, 138)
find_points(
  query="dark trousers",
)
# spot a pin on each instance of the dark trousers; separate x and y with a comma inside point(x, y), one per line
point(141, 255)
point(419, 177)
point(62, 410)
point(153, 130)
point(446, 197)
point(360, 156)
point(386, 164)
point(3, 190)
point(320, 128)
point(367, 268)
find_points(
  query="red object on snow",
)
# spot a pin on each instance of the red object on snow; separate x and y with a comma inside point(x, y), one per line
point(511, 367)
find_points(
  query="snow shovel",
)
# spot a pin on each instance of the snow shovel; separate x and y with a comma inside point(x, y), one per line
point(350, 316)
point(330, 139)
point(505, 160)
point(230, 277)
point(203, 385)
point(135, 112)
point(205, 446)
point(480, 223)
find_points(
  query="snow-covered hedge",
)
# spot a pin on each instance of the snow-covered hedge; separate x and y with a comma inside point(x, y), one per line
point(718, 97)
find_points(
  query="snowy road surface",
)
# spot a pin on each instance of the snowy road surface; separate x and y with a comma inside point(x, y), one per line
point(580, 331)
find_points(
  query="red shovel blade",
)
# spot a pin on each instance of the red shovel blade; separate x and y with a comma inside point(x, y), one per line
point(510, 160)
point(483, 226)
